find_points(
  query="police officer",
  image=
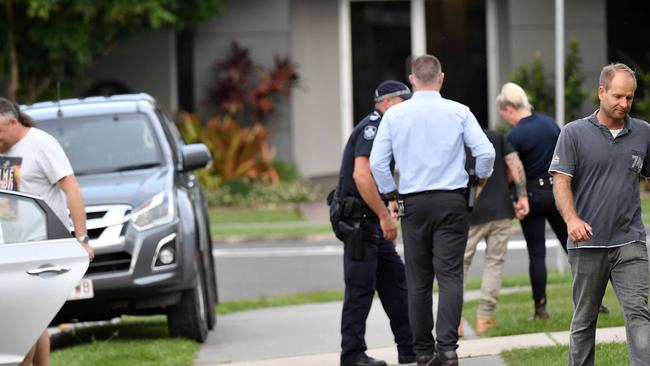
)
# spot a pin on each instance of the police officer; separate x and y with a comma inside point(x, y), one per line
point(370, 263)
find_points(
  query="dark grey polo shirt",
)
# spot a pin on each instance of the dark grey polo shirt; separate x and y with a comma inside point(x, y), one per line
point(605, 182)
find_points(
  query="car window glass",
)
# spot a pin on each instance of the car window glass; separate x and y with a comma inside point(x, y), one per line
point(21, 220)
point(106, 143)
point(174, 137)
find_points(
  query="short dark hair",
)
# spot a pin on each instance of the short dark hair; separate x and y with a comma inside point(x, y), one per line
point(608, 72)
point(426, 68)
point(11, 108)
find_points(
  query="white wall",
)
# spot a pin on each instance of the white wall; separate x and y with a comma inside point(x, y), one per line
point(144, 63)
point(316, 107)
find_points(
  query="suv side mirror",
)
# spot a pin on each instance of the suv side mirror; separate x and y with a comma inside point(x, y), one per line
point(195, 156)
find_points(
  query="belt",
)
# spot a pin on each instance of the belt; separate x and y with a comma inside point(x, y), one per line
point(356, 208)
point(458, 190)
point(540, 182)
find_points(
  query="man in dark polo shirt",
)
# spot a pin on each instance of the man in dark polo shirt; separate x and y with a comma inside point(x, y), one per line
point(596, 168)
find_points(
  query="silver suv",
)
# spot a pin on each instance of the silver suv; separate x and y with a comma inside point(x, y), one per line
point(146, 214)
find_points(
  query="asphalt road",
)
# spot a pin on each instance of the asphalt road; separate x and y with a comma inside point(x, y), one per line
point(255, 269)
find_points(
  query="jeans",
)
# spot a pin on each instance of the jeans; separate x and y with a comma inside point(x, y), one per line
point(627, 268)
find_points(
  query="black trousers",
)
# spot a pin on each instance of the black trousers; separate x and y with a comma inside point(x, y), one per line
point(381, 269)
point(542, 209)
point(434, 228)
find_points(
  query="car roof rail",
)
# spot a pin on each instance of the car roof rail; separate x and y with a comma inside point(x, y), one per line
point(97, 99)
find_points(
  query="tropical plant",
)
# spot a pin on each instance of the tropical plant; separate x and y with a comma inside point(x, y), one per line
point(246, 91)
point(239, 153)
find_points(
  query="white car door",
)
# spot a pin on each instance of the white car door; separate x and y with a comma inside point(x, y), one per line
point(40, 264)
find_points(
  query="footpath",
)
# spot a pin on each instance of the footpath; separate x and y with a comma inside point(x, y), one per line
point(309, 335)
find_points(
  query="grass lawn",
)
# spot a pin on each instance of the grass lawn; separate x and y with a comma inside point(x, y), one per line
point(514, 310)
point(261, 222)
point(227, 216)
point(607, 354)
point(142, 341)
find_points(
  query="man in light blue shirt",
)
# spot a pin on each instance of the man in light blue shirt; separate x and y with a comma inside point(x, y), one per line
point(426, 136)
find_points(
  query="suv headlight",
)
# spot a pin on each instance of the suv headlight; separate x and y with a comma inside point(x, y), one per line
point(158, 210)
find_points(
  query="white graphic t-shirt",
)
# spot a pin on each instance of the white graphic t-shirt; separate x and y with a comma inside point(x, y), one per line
point(44, 163)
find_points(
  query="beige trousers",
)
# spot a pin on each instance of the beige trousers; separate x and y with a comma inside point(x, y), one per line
point(496, 234)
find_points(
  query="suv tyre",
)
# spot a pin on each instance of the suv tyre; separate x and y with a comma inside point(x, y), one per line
point(187, 319)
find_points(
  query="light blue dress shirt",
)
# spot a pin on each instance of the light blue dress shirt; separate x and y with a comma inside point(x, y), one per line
point(426, 135)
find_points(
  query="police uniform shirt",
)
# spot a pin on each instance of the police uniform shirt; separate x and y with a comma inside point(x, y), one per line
point(605, 181)
point(359, 144)
point(534, 138)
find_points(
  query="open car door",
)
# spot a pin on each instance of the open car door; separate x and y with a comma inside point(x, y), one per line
point(40, 264)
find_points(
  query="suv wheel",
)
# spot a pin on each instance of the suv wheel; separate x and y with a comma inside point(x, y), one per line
point(211, 286)
point(187, 319)
point(210, 295)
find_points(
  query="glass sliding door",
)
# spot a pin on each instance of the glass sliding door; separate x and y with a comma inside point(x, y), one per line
point(456, 34)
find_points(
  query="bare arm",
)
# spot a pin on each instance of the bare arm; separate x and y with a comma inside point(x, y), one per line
point(516, 171)
point(76, 206)
point(577, 228)
point(368, 190)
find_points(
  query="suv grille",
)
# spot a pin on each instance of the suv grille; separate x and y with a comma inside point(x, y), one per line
point(111, 262)
point(106, 227)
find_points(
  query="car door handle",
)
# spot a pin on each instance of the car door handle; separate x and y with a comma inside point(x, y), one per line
point(57, 270)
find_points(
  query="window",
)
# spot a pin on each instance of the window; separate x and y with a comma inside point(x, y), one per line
point(106, 143)
point(21, 220)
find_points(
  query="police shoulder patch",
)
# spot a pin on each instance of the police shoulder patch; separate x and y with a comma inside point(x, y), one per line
point(369, 132)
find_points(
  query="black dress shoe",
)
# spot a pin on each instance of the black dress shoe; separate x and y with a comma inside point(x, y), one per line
point(446, 358)
point(401, 359)
point(364, 360)
point(424, 360)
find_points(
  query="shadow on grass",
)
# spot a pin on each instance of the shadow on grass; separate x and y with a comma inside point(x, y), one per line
point(128, 328)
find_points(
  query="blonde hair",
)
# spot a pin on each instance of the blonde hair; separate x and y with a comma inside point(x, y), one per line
point(513, 95)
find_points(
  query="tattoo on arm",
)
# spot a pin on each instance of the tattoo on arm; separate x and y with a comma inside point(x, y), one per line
point(517, 171)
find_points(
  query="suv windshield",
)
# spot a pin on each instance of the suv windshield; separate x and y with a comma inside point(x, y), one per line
point(107, 143)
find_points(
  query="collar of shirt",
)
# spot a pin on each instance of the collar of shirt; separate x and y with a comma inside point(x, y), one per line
point(426, 94)
point(627, 127)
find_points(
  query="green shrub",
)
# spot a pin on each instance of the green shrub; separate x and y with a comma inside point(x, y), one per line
point(259, 194)
point(542, 95)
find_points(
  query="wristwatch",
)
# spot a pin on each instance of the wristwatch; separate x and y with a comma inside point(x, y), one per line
point(83, 239)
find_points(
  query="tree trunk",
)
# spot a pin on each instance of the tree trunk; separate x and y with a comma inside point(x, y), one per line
point(14, 81)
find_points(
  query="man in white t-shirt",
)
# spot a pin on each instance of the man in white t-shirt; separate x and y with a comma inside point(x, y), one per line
point(45, 171)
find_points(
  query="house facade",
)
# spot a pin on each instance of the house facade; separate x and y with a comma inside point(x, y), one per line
point(344, 48)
